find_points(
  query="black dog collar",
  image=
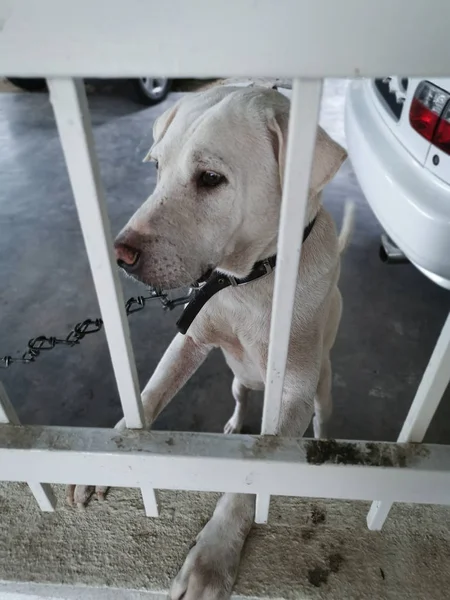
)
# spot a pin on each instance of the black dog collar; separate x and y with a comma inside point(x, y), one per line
point(218, 281)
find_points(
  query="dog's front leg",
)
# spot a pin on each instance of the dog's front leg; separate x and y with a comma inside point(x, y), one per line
point(181, 359)
point(211, 567)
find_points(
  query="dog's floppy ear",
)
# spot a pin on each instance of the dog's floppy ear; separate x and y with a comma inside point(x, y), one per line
point(160, 126)
point(328, 154)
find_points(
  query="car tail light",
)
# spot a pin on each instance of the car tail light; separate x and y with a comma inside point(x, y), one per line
point(441, 137)
point(426, 108)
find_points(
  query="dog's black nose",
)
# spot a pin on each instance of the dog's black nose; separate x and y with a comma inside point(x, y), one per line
point(127, 257)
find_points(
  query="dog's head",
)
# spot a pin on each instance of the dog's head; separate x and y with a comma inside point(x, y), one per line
point(220, 159)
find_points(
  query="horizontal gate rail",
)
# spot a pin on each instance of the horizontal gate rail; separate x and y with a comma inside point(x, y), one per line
point(237, 463)
point(203, 38)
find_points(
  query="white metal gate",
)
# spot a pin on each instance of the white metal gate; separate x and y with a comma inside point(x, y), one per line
point(304, 39)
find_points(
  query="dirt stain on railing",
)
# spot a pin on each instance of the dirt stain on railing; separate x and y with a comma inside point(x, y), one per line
point(369, 454)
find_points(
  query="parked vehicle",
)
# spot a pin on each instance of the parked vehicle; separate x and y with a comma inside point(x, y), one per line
point(146, 90)
point(398, 135)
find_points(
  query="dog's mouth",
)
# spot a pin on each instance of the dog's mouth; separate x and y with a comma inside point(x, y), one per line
point(166, 285)
point(162, 290)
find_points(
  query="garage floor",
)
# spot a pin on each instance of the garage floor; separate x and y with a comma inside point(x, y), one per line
point(392, 314)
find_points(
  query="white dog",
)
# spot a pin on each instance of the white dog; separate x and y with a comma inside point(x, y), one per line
point(220, 156)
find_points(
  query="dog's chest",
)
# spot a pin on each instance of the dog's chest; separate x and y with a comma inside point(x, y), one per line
point(242, 333)
point(246, 360)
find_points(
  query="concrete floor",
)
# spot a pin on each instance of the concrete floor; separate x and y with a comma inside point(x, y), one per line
point(392, 314)
point(310, 550)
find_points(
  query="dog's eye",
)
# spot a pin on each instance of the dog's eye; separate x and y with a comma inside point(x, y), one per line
point(156, 164)
point(210, 179)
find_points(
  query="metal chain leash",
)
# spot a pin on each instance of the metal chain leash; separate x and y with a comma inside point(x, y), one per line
point(43, 343)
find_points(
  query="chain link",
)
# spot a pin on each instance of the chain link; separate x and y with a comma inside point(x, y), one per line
point(43, 343)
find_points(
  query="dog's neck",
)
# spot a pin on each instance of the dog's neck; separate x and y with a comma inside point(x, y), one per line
point(240, 262)
point(245, 254)
point(219, 281)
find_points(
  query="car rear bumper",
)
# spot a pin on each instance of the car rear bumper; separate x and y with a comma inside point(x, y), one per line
point(412, 204)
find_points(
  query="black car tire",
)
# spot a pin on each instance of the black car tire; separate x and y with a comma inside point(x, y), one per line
point(29, 85)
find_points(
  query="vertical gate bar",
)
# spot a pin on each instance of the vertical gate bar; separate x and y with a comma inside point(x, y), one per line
point(68, 97)
point(426, 401)
point(305, 105)
point(69, 101)
point(42, 492)
point(150, 501)
point(262, 508)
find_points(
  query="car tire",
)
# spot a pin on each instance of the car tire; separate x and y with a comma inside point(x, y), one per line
point(29, 85)
point(150, 90)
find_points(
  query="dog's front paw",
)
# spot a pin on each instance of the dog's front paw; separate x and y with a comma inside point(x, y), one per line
point(234, 425)
point(210, 569)
point(80, 495)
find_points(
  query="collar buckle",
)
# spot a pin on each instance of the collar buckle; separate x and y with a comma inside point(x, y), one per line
point(263, 269)
point(267, 266)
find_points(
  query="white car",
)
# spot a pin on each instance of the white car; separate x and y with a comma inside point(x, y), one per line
point(398, 136)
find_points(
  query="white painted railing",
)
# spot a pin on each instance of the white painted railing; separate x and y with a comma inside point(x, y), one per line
point(303, 39)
